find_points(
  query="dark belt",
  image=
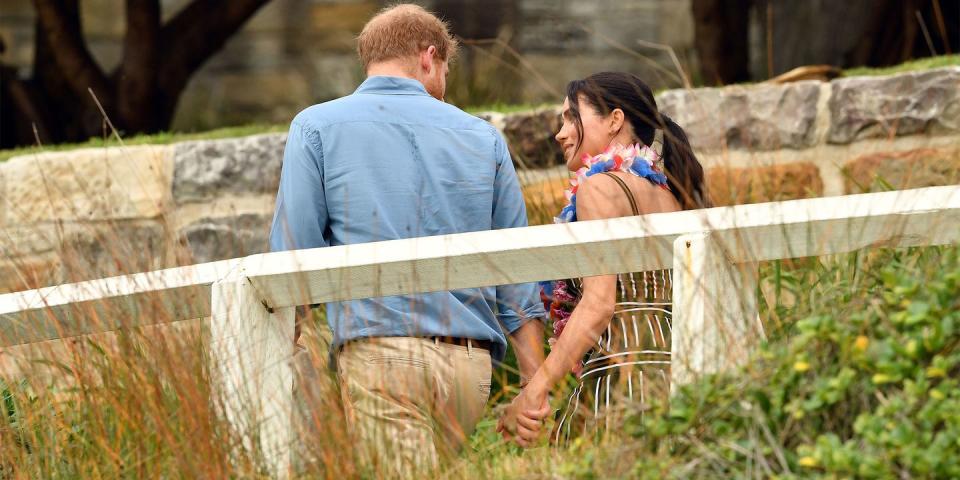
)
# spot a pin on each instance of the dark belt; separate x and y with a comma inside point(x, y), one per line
point(464, 342)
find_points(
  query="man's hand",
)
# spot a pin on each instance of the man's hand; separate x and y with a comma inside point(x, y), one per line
point(522, 420)
point(517, 423)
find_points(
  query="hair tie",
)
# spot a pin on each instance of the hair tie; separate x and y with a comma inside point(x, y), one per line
point(657, 146)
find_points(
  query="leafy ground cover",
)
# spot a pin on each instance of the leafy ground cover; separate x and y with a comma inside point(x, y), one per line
point(859, 380)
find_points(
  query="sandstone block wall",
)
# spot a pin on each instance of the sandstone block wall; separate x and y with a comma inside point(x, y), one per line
point(776, 142)
point(74, 215)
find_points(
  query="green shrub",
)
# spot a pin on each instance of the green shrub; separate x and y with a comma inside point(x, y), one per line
point(865, 388)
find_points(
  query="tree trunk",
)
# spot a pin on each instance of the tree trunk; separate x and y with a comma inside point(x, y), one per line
point(721, 37)
point(139, 97)
point(844, 34)
point(136, 78)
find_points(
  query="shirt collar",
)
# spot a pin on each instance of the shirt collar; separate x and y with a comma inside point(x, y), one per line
point(391, 86)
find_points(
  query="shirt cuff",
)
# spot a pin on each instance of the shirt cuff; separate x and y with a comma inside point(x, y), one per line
point(512, 320)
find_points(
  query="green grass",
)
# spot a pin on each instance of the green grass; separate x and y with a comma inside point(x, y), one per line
point(163, 138)
point(911, 66)
point(166, 138)
point(506, 108)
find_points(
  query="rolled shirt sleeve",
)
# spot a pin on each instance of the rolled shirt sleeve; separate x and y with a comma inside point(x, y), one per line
point(300, 216)
point(520, 303)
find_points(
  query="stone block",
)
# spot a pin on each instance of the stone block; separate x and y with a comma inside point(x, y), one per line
point(919, 168)
point(21, 240)
point(757, 118)
point(91, 184)
point(211, 239)
point(493, 118)
point(89, 251)
point(49, 254)
point(206, 169)
point(334, 26)
point(572, 25)
point(531, 138)
point(904, 104)
point(331, 76)
point(736, 186)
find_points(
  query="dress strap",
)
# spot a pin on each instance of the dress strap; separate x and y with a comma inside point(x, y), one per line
point(626, 190)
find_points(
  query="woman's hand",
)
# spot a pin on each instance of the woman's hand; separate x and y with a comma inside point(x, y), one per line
point(522, 420)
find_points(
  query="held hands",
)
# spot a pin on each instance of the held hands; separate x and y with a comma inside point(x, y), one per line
point(522, 420)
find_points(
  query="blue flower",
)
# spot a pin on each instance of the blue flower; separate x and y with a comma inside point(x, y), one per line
point(642, 169)
point(597, 168)
point(569, 213)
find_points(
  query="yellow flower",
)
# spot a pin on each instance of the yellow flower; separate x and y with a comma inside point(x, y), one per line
point(935, 372)
point(861, 343)
point(801, 366)
point(808, 462)
point(937, 394)
point(912, 347)
point(882, 378)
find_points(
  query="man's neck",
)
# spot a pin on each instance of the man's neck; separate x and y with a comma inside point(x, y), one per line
point(391, 69)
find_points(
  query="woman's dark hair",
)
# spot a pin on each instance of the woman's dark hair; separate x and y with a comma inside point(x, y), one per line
point(608, 91)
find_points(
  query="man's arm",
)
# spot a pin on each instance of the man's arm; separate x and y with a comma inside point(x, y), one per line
point(519, 306)
point(300, 215)
point(527, 342)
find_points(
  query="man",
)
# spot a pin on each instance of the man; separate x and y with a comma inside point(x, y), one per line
point(394, 161)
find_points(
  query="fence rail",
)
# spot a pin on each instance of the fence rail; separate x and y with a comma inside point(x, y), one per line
point(713, 253)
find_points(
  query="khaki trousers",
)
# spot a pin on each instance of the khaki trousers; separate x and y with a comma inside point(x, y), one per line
point(411, 401)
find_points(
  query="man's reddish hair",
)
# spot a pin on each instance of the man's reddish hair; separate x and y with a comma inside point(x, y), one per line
point(404, 31)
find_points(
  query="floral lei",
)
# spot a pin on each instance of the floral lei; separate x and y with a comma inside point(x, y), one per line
point(640, 160)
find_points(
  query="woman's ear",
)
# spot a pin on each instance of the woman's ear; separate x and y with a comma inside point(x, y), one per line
point(616, 121)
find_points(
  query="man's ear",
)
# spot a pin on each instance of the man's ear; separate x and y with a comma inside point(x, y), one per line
point(426, 59)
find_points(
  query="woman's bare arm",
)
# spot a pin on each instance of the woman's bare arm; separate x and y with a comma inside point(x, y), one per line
point(597, 199)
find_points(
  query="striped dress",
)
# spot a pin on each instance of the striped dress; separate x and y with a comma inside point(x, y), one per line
point(630, 365)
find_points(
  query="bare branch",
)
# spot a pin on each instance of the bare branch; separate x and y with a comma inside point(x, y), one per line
point(27, 105)
point(196, 33)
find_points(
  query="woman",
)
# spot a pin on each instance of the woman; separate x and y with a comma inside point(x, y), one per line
point(629, 159)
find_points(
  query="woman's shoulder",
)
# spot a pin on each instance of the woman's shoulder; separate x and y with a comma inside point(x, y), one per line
point(600, 196)
point(604, 195)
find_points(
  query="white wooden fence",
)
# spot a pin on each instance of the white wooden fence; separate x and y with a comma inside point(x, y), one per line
point(713, 254)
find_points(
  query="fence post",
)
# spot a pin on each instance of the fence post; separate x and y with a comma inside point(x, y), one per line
point(715, 321)
point(250, 364)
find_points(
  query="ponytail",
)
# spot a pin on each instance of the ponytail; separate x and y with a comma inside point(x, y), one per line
point(684, 172)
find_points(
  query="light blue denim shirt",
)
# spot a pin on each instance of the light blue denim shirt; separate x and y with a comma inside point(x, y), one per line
point(392, 162)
